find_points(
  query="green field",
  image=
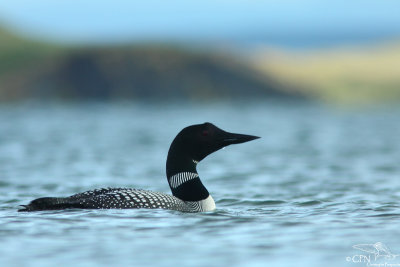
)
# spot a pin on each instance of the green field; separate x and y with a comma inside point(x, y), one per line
point(351, 75)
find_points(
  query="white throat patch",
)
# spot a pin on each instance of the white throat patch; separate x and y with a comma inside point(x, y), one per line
point(207, 204)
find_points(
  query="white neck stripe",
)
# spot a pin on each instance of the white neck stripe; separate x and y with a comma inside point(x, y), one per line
point(182, 177)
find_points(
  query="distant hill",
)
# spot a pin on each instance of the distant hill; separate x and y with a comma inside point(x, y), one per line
point(31, 69)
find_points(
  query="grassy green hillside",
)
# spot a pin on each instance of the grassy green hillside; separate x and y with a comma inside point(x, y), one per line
point(17, 53)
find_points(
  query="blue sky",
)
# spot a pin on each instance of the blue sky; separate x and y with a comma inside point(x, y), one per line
point(202, 21)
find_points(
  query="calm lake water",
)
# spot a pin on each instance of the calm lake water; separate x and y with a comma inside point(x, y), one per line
point(319, 181)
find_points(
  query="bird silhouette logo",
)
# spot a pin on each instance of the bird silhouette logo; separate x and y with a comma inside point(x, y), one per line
point(378, 250)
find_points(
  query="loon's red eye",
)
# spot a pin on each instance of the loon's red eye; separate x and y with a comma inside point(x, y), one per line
point(204, 133)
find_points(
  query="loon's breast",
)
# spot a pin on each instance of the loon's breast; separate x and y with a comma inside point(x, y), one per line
point(128, 198)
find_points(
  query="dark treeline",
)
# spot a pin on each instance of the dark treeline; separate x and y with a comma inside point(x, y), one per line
point(36, 70)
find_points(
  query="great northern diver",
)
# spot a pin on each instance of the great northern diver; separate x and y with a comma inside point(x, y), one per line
point(189, 147)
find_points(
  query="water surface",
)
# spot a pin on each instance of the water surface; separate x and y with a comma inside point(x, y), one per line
point(318, 182)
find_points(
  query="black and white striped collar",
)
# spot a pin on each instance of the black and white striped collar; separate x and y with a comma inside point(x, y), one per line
point(181, 178)
point(187, 186)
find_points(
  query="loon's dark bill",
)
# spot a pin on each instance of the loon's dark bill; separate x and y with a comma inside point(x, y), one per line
point(234, 138)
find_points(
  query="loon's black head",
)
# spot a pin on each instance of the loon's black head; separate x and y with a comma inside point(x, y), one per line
point(189, 147)
point(196, 142)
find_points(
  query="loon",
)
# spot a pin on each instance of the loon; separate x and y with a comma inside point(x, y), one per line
point(189, 147)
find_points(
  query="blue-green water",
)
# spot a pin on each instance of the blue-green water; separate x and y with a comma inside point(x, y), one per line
point(318, 182)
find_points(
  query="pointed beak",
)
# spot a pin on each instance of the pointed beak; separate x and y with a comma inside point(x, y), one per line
point(234, 138)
